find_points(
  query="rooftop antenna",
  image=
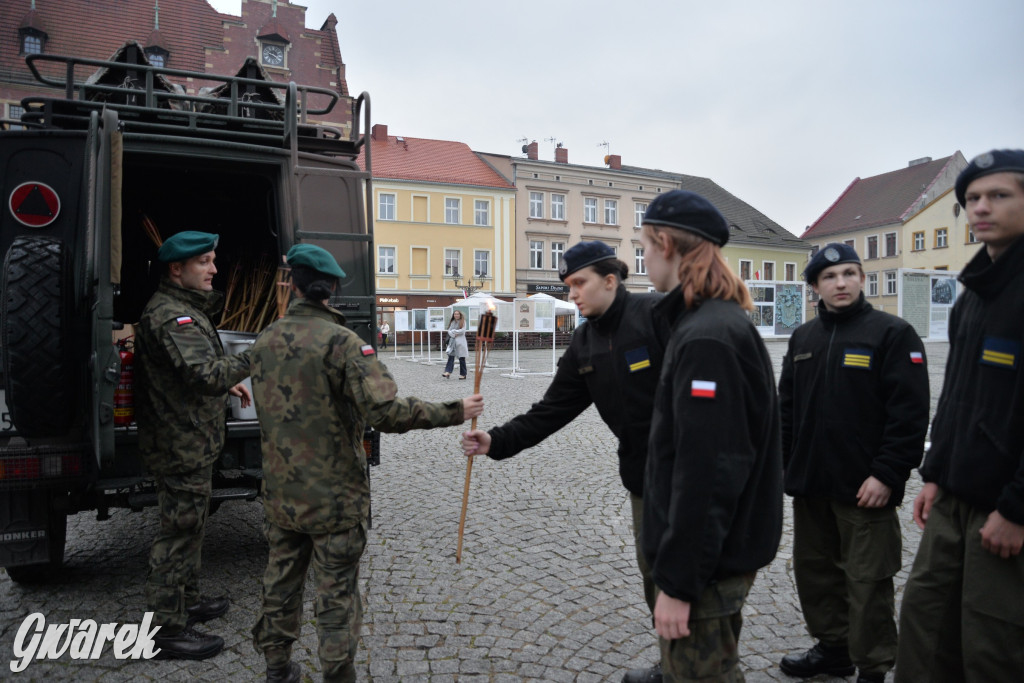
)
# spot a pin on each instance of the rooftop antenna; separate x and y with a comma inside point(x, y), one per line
point(607, 146)
point(553, 140)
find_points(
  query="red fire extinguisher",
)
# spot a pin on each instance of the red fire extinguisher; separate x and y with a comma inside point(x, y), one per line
point(124, 394)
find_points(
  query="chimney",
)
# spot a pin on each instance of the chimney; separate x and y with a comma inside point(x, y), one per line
point(613, 161)
point(561, 155)
point(918, 162)
point(379, 131)
point(531, 150)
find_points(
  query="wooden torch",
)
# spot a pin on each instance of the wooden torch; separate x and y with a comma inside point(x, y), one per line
point(484, 338)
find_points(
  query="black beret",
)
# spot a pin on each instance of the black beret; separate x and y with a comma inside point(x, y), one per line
point(996, 161)
point(582, 255)
point(832, 255)
point(317, 258)
point(185, 245)
point(688, 211)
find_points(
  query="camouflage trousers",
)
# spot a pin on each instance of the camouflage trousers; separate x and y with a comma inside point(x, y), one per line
point(175, 557)
point(711, 651)
point(636, 504)
point(337, 606)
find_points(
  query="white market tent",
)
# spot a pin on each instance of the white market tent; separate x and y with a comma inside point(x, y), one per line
point(561, 307)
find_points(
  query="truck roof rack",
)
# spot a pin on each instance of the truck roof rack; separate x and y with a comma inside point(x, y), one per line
point(234, 108)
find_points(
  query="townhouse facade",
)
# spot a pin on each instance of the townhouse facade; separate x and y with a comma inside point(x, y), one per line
point(177, 34)
point(444, 223)
point(903, 219)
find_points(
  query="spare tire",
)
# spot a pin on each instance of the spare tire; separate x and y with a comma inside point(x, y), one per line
point(34, 323)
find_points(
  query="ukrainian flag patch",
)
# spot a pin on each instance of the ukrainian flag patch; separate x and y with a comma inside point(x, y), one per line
point(1001, 353)
point(857, 358)
point(638, 359)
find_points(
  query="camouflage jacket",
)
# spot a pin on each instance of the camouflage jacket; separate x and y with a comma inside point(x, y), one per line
point(181, 380)
point(316, 386)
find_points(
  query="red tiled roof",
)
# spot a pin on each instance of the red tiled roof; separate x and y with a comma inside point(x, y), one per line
point(879, 200)
point(434, 161)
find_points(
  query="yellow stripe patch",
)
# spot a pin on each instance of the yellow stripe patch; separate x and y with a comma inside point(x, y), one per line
point(640, 365)
point(997, 357)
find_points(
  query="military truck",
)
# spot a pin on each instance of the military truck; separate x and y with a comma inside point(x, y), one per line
point(93, 177)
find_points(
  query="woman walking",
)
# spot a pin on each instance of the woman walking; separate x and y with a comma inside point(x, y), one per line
point(456, 345)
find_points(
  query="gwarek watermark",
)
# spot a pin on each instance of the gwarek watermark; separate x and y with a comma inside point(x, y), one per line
point(81, 639)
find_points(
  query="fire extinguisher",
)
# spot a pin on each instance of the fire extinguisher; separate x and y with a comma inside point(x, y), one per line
point(124, 394)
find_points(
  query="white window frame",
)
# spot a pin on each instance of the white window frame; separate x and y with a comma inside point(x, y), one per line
point(611, 212)
point(971, 237)
point(944, 241)
point(31, 40)
point(452, 204)
point(384, 209)
point(639, 209)
point(590, 209)
point(640, 265)
point(871, 284)
point(482, 212)
point(486, 260)
point(14, 112)
point(919, 240)
point(453, 262)
point(536, 254)
point(890, 283)
point(382, 259)
point(789, 267)
point(557, 251)
point(536, 205)
point(750, 269)
point(764, 270)
point(557, 206)
point(867, 247)
point(895, 244)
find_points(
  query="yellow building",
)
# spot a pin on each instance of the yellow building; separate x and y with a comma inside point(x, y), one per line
point(443, 223)
point(938, 237)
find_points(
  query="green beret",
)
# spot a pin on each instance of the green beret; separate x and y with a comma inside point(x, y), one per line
point(185, 245)
point(317, 258)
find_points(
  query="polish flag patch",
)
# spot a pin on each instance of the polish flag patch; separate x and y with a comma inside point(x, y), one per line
point(702, 389)
point(184, 320)
point(367, 350)
point(916, 357)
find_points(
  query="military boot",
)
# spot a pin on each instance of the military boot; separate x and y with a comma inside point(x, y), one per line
point(289, 673)
point(820, 659)
point(187, 644)
point(208, 608)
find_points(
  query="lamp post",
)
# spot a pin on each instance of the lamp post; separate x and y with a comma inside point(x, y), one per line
point(468, 287)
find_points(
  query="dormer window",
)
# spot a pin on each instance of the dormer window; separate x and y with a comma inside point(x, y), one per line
point(272, 54)
point(32, 41)
point(157, 56)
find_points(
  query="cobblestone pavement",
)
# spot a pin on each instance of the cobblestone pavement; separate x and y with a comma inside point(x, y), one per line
point(547, 589)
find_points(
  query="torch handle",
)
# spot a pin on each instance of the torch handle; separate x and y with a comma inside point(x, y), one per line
point(465, 504)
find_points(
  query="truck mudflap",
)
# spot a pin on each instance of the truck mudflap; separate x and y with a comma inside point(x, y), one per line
point(33, 529)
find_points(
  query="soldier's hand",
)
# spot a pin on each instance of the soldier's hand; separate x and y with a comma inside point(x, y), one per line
point(476, 442)
point(671, 617)
point(873, 494)
point(923, 503)
point(242, 392)
point(472, 406)
point(1002, 537)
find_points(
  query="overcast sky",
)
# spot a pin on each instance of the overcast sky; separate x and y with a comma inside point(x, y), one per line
point(783, 103)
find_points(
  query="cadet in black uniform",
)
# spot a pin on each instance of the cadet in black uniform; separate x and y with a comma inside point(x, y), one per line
point(962, 617)
point(854, 398)
point(613, 362)
point(713, 487)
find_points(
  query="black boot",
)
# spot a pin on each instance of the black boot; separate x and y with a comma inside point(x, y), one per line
point(208, 608)
point(289, 673)
point(820, 659)
point(650, 675)
point(188, 644)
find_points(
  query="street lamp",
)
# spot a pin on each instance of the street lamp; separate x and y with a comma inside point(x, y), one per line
point(468, 287)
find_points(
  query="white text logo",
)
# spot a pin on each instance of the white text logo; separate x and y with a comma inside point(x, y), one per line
point(81, 639)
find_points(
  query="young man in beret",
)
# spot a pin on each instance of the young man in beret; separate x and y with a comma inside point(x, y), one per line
point(317, 385)
point(612, 362)
point(962, 617)
point(854, 399)
point(182, 382)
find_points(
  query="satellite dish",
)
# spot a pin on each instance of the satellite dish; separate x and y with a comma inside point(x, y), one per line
point(526, 149)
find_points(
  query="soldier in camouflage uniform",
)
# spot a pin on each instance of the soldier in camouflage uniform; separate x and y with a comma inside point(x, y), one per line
point(317, 385)
point(182, 384)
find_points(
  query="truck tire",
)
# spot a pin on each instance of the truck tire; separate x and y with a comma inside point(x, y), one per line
point(34, 321)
